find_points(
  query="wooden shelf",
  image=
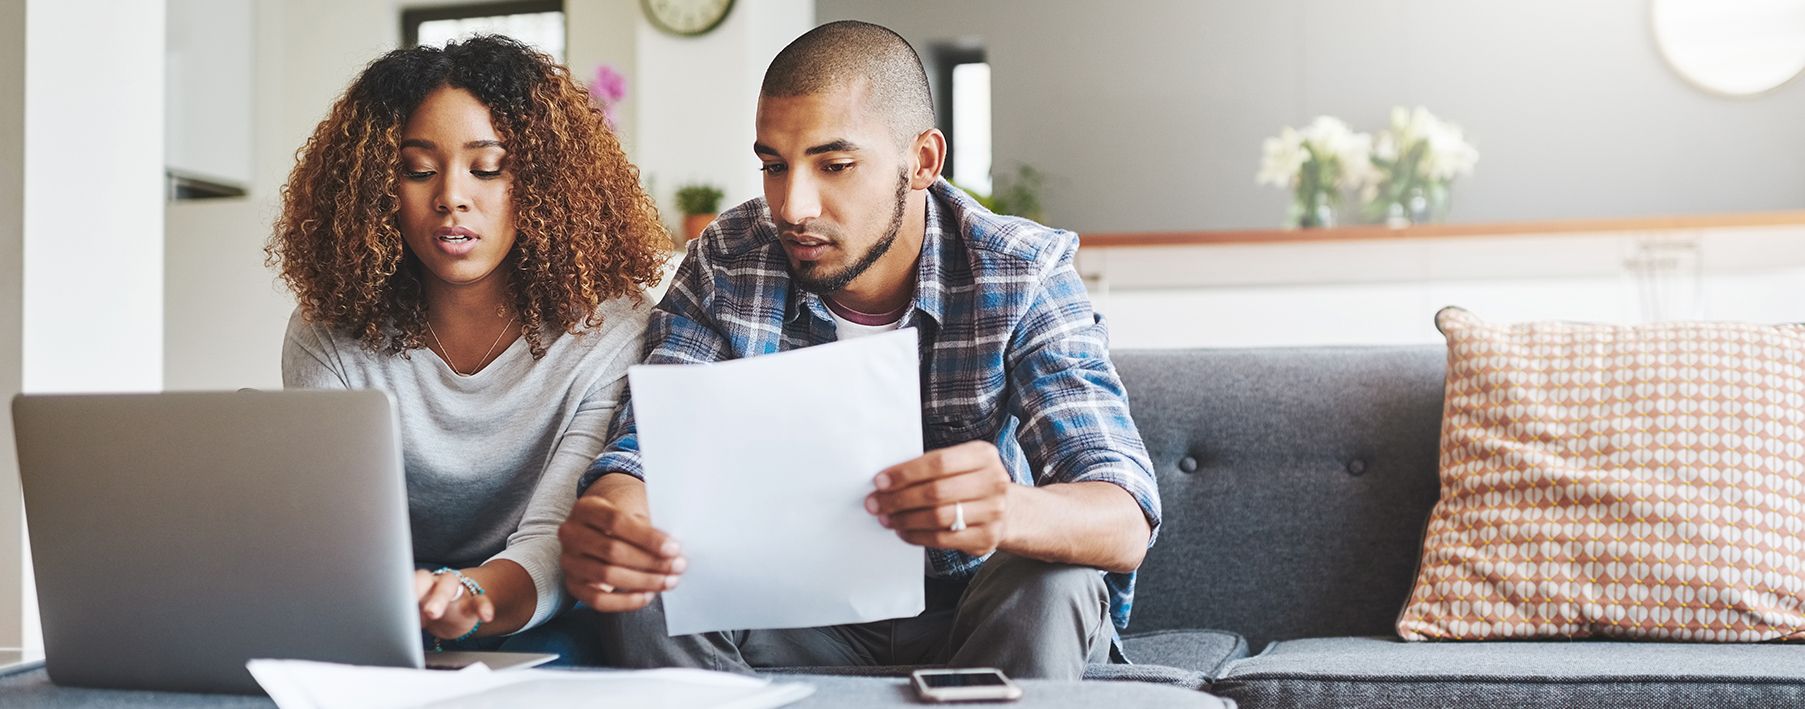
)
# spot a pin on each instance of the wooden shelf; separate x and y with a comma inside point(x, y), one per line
point(1428, 231)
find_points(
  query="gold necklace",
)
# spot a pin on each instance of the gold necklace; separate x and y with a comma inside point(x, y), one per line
point(486, 353)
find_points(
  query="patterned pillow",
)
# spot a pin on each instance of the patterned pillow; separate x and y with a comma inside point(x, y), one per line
point(1639, 482)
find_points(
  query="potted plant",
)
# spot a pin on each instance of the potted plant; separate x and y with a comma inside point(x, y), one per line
point(1017, 195)
point(699, 203)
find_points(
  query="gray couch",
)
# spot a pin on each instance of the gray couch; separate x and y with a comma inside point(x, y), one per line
point(1296, 484)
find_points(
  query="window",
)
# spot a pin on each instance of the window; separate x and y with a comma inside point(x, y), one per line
point(537, 23)
point(959, 74)
point(971, 123)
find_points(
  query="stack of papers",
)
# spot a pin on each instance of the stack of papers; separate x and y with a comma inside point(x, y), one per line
point(298, 684)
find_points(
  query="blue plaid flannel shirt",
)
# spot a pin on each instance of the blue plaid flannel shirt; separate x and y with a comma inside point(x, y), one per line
point(1011, 351)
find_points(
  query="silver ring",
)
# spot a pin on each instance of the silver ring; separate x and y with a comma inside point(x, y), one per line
point(958, 518)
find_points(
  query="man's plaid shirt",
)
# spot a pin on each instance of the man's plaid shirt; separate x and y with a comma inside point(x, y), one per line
point(1010, 349)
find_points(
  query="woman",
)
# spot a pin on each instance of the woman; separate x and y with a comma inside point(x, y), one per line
point(464, 232)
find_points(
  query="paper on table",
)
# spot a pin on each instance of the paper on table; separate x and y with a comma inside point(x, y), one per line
point(299, 684)
point(759, 468)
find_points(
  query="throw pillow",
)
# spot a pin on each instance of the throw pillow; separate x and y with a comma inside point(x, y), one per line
point(1641, 482)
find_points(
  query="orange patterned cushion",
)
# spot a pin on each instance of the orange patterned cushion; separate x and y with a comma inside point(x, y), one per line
point(1629, 482)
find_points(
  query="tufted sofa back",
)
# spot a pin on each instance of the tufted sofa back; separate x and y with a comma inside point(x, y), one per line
point(1295, 484)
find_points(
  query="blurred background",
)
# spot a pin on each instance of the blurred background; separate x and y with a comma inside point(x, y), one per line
point(1241, 174)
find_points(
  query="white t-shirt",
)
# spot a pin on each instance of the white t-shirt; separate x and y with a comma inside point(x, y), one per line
point(849, 330)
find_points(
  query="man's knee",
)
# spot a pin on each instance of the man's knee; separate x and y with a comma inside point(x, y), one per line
point(1032, 618)
point(638, 640)
point(620, 636)
point(1027, 585)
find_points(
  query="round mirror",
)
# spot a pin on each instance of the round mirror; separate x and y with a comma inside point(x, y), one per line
point(1732, 47)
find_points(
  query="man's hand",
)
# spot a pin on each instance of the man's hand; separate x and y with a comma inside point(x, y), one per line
point(924, 498)
point(613, 559)
point(447, 610)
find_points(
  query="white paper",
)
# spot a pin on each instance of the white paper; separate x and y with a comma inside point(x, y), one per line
point(760, 467)
point(298, 684)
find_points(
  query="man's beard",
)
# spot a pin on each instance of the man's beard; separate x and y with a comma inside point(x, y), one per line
point(820, 283)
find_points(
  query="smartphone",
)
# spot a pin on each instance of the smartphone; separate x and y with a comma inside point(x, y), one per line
point(971, 684)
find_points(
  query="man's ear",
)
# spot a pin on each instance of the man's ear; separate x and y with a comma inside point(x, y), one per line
point(929, 156)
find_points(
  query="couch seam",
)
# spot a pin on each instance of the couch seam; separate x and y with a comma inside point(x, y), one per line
point(1236, 653)
point(1181, 631)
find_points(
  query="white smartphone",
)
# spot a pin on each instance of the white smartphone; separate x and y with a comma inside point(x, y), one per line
point(971, 684)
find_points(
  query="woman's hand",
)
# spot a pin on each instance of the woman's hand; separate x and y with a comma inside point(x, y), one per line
point(447, 609)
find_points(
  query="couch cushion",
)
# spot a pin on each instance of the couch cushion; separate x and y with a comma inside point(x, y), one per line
point(1393, 673)
point(1153, 674)
point(1295, 484)
point(1206, 651)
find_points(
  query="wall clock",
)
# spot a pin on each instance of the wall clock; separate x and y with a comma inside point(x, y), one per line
point(1742, 48)
point(688, 18)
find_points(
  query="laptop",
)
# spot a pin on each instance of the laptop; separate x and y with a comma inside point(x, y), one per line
point(177, 535)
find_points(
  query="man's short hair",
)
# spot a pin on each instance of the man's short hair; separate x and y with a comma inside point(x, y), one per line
point(834, 55)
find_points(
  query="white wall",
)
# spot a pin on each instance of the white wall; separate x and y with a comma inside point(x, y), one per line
point(691, 101)
point(225, 313)
point(607, 32)
point(1149, 115)
point(698, 97)
point(13, 582)
point(94, 196)
point(87, 260)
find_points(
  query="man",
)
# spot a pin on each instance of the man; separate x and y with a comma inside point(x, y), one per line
point(1036, 483)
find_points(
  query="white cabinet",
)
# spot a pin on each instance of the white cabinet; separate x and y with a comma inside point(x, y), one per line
point(209, 64)
point(1387, 291)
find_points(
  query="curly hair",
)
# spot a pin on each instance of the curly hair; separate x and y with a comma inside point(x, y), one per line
point(587, 231)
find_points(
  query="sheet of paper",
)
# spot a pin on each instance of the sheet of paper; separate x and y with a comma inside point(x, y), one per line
point(298, 684)
point(759, 467)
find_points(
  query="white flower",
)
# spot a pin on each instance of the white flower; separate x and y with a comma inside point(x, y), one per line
point(1282, 158)
point(1355, 156)
point(1449, 155)
point(1339, 155)
point(1385, 147)
point(1445, 152)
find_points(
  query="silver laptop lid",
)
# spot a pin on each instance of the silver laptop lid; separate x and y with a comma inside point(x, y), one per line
point(177, 535)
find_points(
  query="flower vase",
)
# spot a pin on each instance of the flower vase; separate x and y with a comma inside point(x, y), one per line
point(1418, 206)
point(1412, 208)
point(1314, 210)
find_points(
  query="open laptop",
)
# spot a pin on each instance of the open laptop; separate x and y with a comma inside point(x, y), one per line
point(177, 535)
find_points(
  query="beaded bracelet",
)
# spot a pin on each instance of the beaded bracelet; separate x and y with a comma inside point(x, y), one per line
point(475, 589)
point(470, 584)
